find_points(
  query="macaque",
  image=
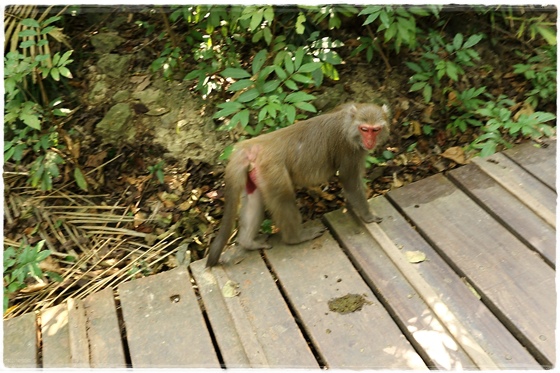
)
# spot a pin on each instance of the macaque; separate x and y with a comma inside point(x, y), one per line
point(264, 171)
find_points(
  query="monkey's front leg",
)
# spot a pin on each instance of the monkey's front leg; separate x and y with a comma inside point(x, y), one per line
point(355, 196)
point(250, 219)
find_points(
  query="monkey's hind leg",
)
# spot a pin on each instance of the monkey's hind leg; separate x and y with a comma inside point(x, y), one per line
point(288, 219)
point(251, 217)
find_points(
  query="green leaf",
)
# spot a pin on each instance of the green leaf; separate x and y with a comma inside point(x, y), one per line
point(256, 20)
point(55, 73)
point(242, 117)
point(280, 72)
point(291, 84)
point(250, 95)
point(417, 86)
point(269, 14)
point(302, 78)
point(288, 63)
point(240, 84)
point(30, 22)
point(50, 20)
point(65, 72)
point(26, 44)
point(472, 40)
point(228, 108)
point(299, 58)
point(427, 93)
point(451, 70)
point(458, 41)
point(299, 96)
point(309, 67)
point(27, 32)
point(64, 58)
point(258, 61)
point(548, 34)
point(305, 106)
point(235, 73)
point(31, 120)
point(300, 28)
point(270, 86)
point(80, 179)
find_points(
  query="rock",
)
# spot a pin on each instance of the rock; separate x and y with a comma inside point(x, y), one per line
point(105, 42)
point(114, 65)
point(121, 96)
point(116, 127)
point(98, 93)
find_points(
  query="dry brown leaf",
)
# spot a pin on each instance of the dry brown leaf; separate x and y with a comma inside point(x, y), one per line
point(456, 154)
point(527, 109)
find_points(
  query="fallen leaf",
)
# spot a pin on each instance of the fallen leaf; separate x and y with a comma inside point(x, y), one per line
point(96, 160)
point(397, 183)
point(230, 289)
point(415, 256)
point(456, 154)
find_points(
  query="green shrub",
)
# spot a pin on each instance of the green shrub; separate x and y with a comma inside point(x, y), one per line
point(29, 115)
point(19, 265)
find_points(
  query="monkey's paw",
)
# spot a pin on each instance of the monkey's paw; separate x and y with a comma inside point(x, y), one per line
point(257, 244)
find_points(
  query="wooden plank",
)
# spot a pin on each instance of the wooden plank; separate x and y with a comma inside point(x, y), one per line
point(104, 336)
point(312, 274)
point(427, 333)
point(513, 281)
point(255, 328)
point(77, 335)
point(20, 342)
point(527, 188)
point(489, 332)
point(538, 160)
point(56, 337)
point(520, 220)
point(164, 324)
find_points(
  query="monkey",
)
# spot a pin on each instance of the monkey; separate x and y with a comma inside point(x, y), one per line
point(264, 171)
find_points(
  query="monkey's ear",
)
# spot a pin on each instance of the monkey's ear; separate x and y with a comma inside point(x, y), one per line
point(352, 109)
point(385, 109)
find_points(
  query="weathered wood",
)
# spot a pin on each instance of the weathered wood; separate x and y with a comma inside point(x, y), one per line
point(513, 281)
point(511, 212)
point(538, 160)
point(79, 346)
point(427, 333)
point(104, 336)
point(488, 331)
point(527, 188)
point(56, 337)
point(20, 342)
point(315, 272)
point(164, 324)
point(254, 328)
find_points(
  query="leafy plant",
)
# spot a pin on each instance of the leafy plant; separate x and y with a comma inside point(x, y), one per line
point(157, 171)
point(272, 98)
point(497, 119)
point(398, 25)
point(540, 70)
point(442, 60)
point(29, 116)
point(19, 265)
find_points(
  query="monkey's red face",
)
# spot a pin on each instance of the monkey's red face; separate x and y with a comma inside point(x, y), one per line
point(369, 134)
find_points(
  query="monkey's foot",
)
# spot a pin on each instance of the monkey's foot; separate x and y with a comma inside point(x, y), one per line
point(370, 218)
point(307, 234)
point(258, 243)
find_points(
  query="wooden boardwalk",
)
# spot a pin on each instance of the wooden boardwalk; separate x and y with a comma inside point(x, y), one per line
point(484, 297)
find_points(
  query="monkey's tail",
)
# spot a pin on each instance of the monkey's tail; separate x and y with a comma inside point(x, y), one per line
point(236, 179)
